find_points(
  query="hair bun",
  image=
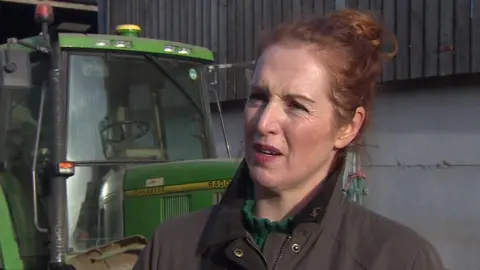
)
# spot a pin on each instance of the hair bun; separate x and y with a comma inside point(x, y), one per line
point(365, 25)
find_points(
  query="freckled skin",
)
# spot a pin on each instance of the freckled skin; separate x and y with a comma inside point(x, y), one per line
point(303, 130)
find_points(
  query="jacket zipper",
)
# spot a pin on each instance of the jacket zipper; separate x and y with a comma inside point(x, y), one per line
point(258, 250)
point(282, 251)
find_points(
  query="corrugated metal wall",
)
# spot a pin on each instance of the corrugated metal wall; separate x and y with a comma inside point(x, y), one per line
point(230, 28)
point(436, 37)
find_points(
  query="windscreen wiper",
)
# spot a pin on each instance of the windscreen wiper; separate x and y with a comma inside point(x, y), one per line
point(162, 70)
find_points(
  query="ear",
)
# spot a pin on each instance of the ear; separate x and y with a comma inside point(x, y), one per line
point(347, 133)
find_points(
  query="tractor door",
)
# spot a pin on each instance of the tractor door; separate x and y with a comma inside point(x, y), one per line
point(24, 111)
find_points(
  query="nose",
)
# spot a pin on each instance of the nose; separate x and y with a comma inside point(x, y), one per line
point(269, 119)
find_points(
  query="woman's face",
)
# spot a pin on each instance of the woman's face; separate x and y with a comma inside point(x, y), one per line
point(290, 133)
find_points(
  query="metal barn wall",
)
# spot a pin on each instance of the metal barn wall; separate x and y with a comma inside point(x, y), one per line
point(436, 37)
point(230, 28)
point(423, 163)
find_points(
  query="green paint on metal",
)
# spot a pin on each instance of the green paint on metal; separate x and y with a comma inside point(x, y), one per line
point(128, 33)
point(9, 251)
point(128, 30)
point(178, 188)
point(135, 44)
point(31, 244)
point(181, 172)
point(161, 207)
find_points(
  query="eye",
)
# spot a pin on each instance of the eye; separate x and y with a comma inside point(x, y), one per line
point(297, 106)
point(255, 97)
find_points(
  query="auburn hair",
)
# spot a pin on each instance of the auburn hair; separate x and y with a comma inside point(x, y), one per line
point(350, 43)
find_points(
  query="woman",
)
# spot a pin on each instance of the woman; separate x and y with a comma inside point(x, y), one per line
point(311, 94)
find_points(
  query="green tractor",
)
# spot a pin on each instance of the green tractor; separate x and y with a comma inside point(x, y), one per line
point(102, 138)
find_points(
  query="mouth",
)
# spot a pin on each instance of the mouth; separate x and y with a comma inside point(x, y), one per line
point(266, 149)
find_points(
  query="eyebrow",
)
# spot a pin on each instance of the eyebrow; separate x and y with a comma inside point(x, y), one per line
point(264, 90)
point(301, 97)
point(259, 88)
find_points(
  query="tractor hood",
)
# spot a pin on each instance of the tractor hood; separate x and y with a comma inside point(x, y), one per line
point(177, 173)
point(139, 225)
point(166, 190)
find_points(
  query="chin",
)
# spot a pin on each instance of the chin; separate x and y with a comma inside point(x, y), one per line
point(266, 178)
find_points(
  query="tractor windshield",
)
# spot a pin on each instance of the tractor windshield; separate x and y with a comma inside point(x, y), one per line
point(125, 109)
point(122, 108)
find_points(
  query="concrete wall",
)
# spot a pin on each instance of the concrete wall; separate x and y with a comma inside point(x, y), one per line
point(423, 163)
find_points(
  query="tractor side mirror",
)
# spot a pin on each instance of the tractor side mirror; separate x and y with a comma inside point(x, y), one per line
point(15, 69)
point(211, 75)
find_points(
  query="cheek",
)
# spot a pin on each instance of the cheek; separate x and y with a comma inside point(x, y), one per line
point(311, 139)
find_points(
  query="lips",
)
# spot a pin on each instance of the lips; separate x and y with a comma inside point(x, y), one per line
point(266, 154)
point(266, 149)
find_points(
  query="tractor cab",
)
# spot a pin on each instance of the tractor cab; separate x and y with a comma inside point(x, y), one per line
point(125, 110)
point(78, 113)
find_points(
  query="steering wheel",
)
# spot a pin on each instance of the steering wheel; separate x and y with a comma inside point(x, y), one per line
point(142, 126)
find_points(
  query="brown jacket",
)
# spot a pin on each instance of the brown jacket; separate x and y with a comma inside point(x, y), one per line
point(331, 233)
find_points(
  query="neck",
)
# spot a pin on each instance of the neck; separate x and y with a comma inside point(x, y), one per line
point(276, 206)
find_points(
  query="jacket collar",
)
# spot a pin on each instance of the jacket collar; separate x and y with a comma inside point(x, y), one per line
point(226, 220)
